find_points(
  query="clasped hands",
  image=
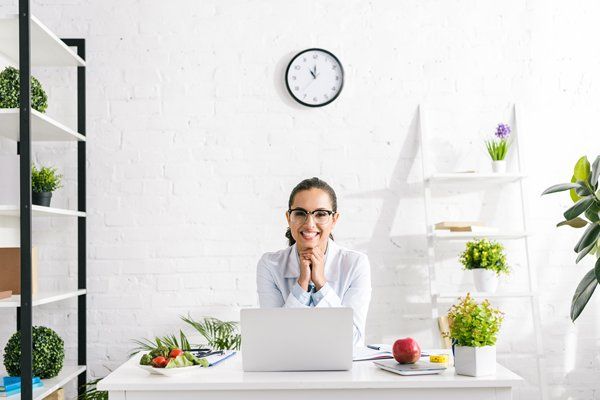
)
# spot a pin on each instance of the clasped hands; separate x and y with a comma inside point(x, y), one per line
point(312, 268)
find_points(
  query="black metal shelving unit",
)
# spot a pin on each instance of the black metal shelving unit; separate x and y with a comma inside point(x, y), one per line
point(24, 143)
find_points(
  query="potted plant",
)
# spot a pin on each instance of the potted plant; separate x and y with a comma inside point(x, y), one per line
point(585, 193)
point(474, 329)
point(48, 353)
point(498, 148)
point(9, 91)
point(43, 182)
point(487, 261)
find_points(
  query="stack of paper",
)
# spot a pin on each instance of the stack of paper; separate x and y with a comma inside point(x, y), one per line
point(366, 354)
point(214, 359)
point(11, 385)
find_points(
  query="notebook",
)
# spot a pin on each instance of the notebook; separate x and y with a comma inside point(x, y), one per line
point(418, 368)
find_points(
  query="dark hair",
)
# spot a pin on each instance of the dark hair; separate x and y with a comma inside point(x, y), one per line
point(307, 184)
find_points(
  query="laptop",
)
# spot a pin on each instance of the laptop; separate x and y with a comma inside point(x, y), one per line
point(296, 339)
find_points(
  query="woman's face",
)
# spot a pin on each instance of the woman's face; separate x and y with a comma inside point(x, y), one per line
point(309, 234)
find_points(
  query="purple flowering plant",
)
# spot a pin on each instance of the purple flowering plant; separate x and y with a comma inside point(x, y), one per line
point(498, 148)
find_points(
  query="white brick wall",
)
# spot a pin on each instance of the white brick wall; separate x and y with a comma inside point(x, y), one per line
point(194, 146)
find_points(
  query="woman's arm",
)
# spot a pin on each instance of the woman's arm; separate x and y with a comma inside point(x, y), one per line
point(269, 295)
point(357, 296)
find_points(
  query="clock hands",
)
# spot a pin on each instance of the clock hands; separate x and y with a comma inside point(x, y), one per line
point(314, 73)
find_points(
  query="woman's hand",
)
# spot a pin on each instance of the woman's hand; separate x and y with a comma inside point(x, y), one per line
point(304, 278)
point(316, 259)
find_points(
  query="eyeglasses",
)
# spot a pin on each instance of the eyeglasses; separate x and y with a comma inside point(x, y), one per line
point(300, 215)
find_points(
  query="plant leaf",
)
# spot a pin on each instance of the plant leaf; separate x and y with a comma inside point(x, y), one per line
point(583, 190)
point(589, 236)
point(584, 291)
point(575, 223)
point(574, 196)
point(561, 187)
point(585, 252)
point(582, 169)
point(578, 208)
point(595, 172)
point(593, 213)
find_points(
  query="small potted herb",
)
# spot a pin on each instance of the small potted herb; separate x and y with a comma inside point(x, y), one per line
point(474, 329)
point(487, 260)
point(498, 148)
point(9, 91)
point(43, 182)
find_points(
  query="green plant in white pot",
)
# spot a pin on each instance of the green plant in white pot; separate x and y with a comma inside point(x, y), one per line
point(487, 261)
point(498, 148)
point(585, 213)
point(474, 329)
point(43, 182)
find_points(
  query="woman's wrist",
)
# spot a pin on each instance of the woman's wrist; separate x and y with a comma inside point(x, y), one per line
point(303, 283)
point(319, 284)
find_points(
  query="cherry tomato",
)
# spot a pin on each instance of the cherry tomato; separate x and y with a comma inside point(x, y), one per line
point(159, 361)
point(175, 352)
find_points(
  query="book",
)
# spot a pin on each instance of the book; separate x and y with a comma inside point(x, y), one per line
point(418, 368)
point(12, 382)
point(18, 390)
point(456, 225)
point(370, 354)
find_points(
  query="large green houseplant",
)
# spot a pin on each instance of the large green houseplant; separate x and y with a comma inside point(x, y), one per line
point(585, 213)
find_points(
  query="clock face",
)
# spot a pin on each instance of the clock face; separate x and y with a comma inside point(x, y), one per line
point(314, 77)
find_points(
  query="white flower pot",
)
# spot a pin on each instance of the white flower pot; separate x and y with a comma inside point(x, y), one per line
point(475, 361)
point(499, 166)
point(485, 280)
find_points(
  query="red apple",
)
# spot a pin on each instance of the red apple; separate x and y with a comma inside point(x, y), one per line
point(406, 351)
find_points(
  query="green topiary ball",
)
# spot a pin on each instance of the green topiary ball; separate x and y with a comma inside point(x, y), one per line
point(9, 91)
point(48, 353)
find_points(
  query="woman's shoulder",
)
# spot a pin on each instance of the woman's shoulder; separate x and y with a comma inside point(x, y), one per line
point(352, 256)
point(274, 258)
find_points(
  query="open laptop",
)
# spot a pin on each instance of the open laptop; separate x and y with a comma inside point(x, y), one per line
point(296, 339)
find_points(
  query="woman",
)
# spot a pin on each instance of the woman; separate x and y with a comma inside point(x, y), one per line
point(314, 271)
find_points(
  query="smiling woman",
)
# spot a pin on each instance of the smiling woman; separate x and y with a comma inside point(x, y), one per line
point(314, 271)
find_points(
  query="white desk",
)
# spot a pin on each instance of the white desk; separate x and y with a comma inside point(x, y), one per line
point(364, 381)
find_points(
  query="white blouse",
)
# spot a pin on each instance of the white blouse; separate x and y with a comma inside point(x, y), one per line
point(348, 276)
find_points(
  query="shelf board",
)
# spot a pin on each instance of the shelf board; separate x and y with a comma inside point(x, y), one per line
point(67, 374)
point(436, 235)
point(43, 128)
point(42, 298)
point(451, 296)
point(473, 177)
point(47, 50)
point(13, 211)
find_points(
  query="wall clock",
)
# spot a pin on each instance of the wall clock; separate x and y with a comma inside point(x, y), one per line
point(314, 77)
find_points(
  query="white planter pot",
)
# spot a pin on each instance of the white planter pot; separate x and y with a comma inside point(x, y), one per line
point(499, 166)
point(475, 361)
point(485, 280)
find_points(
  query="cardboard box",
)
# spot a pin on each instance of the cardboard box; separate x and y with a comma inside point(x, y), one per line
point(10, 269)
point(57, 395)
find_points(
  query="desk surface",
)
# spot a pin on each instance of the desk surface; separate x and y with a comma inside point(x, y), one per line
point(229, 376)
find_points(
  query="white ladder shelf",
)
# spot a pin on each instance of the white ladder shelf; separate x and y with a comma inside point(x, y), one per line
point(447, 179)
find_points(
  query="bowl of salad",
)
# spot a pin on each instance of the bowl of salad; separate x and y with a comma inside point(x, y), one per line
point(171, 361)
